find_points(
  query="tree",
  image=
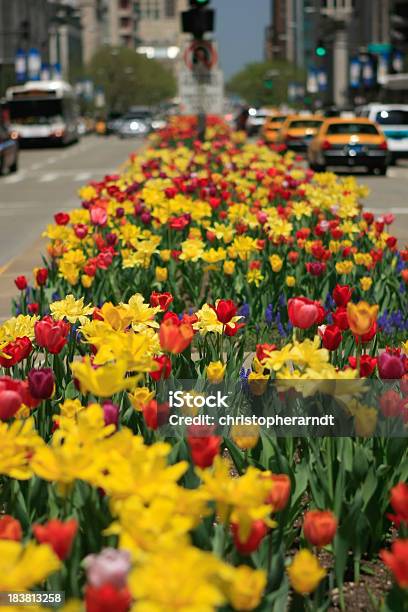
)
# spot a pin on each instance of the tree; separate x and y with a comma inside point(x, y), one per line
point(265, 83)
point(129, 78)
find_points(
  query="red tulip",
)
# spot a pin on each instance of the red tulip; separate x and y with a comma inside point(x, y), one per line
point(163, 367)
point(397, 561)
point(15, 351)
point(41, 276)
point(161, 299)
point(258, 531)
point(226, 310)
point(99, 216)
point(331, 337)
point(367, 365)
point(390, 367)
point(10, 528)
point(340, 318)
point(51, 335)
point(203, 448)
point(81, 230)
point(280, 492)
point(319, 527)
point(21, 282)
point(41, 382)
point(33, 308)
point(61, 218)
point(231, 329)
point(342, 295)
point(399, 503)
point(107, 598)
point(305, 313)
point(155, 414)
point(58, 534)
point(10, 402)
point(175, 337)
point(262, 350)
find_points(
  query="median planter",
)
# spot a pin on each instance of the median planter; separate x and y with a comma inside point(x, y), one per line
point(203, 391)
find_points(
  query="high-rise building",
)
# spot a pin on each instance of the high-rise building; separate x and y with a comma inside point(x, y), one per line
point(93, 22)
point(159, 29)
point(122, 23)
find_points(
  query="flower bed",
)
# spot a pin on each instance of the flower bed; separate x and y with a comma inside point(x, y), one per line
point(228, 266)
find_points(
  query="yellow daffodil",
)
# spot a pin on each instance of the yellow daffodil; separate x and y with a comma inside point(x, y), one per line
point(71, 309)
point(24, 566)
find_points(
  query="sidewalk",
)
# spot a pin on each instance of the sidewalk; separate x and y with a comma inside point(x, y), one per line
point(22, 264)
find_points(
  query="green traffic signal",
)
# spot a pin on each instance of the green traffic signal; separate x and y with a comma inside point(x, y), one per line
point(321, 50)
point(195, 3)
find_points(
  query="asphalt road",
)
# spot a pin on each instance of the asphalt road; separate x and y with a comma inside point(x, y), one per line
point(48, 180)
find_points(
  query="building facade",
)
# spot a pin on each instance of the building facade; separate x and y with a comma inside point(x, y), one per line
point(159, 29)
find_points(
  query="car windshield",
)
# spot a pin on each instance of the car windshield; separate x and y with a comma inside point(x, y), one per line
point(352, 128)
point(277, 119)
point(392, 117)
point(305, 123)
point(34, 112)
point(138, 117)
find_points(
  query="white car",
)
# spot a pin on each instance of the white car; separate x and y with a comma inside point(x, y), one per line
point(393, 119)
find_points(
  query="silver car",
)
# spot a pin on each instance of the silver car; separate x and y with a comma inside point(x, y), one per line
point(135, 124)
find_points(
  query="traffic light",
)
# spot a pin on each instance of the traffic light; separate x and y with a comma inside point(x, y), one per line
point(25, 30)
point(321, 50)
point(198, 19)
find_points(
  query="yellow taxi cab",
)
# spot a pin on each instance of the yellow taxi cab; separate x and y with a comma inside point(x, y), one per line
point(298, 130)
point(349, 142)
point(271, 127)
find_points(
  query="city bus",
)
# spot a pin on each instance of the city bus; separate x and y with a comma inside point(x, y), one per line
point(43, 111)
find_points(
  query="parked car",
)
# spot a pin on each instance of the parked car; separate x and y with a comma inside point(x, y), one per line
point(298, 130)
point(8, 151)
point(349, 142)
point(256, 119)
point(113, 123)
point(135, 124)
point(271, 127)
point(393, 119)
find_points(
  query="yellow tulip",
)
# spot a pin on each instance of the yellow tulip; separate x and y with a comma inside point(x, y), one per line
point(361, 317)
point(366, 282)
point(215, 372)
point(161, 274)
point(276, 263)
point(229, 267)
point(290, 281)
point(305, 572)
point(245, 436)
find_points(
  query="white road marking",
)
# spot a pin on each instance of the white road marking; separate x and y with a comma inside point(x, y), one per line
point(48, 178)
point(82, 176)
point(396, 210)
point(14, 178)
point(51, 160)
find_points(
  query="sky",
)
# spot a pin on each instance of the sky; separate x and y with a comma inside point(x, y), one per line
point(240, 31)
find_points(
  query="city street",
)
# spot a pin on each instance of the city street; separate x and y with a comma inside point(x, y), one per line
point(47, 182)
point(48, 179)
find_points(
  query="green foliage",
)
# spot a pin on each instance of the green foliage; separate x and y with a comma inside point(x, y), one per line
point(129, 78)
point(254, 85)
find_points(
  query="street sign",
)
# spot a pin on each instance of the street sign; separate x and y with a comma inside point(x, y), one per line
point(379, 47)
point(200, 53)
point(201, 96)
